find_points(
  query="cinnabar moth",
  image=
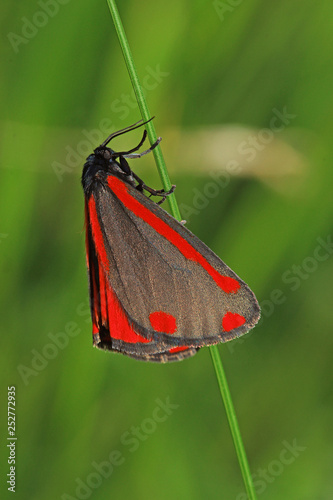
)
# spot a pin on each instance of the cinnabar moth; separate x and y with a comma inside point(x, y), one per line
point(157, 293)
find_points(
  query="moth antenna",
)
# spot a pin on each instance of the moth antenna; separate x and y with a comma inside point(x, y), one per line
point(138, 124)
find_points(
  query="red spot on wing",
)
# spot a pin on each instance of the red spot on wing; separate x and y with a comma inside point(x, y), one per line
point(178, 349)
point(232, 320)
point(163, 322)
point(120, 189)
point(166, 323)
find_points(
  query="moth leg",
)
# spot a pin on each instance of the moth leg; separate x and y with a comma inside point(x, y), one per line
point(165, 195)
point(153, 192)
point(124, 165)
point(125, 153)
point(138, 155)
point(161, 192)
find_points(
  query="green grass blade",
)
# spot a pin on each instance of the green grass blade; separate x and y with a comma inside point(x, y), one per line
point(232, 419)
point(159, 159)
point(222, 381)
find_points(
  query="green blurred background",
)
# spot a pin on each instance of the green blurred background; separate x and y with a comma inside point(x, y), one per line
point(215, 75)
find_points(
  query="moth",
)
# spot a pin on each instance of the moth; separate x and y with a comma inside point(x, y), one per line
point(157, 293)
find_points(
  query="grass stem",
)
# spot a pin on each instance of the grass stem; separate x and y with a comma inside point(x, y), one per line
point(217, 362)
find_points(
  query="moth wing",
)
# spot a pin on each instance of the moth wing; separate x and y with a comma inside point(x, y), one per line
point(112, 330)
point(173, 291)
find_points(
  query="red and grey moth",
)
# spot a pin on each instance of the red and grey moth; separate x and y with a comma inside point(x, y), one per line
point(157, 293)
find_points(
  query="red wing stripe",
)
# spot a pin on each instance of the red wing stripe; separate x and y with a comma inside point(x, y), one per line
point(97, 233)
point(120, 189)
point(110, 314)
point(118, 324)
